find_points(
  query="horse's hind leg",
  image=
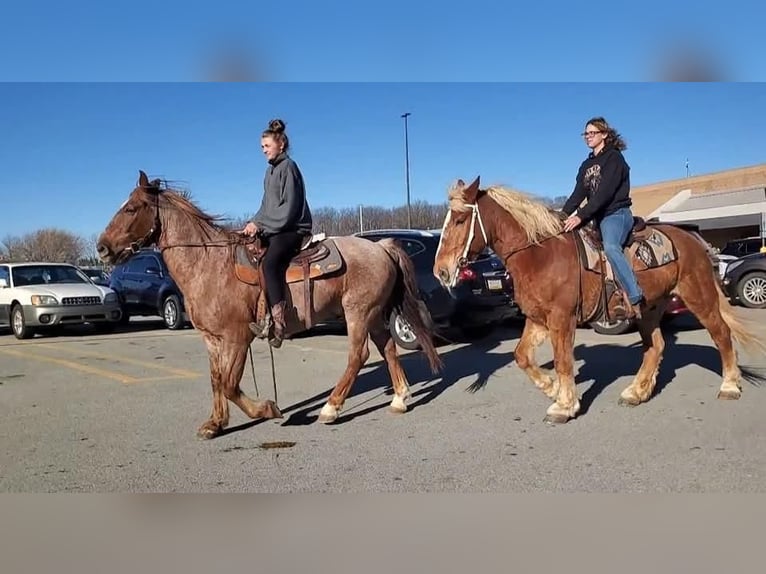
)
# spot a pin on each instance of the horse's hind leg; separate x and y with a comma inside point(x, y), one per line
point(533, 336)
point(642, 387)
point(358, 353)
point(227, 361)
point(387, 348)
point(703, 299)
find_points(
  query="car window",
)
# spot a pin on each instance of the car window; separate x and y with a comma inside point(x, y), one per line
point(46, 274)
point(412, 247)
point(139, 264)
point(5, 274)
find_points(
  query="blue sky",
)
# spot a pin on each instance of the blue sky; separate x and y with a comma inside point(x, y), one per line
point(391, 40)
point(71, 151)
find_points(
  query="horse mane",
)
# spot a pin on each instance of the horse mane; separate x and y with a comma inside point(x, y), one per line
point(180, 200)
point(535, 218)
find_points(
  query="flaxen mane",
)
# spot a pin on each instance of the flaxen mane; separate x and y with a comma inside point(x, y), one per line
point(536, 219)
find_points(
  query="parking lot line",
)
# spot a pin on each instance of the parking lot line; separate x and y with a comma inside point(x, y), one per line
point(25, 354)
point(182, 373)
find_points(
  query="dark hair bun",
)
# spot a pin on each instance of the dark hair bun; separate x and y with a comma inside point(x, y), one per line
point(277, 126)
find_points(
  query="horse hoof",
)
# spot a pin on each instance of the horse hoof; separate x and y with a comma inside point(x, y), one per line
point(398, 406)
point(556, 419)
point(208, 432)
point(327, 419)
point(271, 411)
point(628, 402)
point(729, 395)
point(328, 414)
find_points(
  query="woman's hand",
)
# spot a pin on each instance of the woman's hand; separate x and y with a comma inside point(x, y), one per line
point(571, 222)
point(250, 229)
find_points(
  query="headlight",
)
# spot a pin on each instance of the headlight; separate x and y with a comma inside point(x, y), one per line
point(39, 300)
point(110, 298)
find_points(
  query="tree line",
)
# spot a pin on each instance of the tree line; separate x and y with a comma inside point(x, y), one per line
point(61, 246)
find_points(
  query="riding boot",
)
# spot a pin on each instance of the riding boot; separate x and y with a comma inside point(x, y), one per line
point(278, 316)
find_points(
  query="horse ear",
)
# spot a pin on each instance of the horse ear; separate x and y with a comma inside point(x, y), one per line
point(460, 183)
point(472, 191)
point(143, 181)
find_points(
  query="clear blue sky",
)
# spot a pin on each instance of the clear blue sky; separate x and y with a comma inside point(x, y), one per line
point(71, 152)
point(383, 40)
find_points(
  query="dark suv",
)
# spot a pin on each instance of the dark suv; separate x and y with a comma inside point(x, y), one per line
point(146, 288)
point(745, 280)
point(482, 298)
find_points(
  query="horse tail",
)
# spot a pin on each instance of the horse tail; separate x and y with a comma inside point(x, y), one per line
point(739, 330)
point(406, 300)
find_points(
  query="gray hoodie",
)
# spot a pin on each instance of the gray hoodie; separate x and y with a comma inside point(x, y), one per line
point(284, 206)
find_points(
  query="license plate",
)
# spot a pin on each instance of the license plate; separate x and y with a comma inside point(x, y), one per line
point(494, 284)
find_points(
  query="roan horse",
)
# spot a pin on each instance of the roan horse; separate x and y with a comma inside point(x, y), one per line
point(559, 287)
point(373, 279)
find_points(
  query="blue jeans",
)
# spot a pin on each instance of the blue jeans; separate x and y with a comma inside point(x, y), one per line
point(615, 228)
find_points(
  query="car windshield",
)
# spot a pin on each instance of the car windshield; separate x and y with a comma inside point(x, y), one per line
point(46, 274)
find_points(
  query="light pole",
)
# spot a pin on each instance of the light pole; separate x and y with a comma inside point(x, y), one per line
point(407, 167)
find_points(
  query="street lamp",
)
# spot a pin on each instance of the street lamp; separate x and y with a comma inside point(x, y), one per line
point(407, 167)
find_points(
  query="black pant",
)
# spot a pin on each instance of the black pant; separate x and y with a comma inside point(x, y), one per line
point(280, 249)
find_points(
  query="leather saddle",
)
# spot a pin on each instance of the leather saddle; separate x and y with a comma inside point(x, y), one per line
point(318, 257)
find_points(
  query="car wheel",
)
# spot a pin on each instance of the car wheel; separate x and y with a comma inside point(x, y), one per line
point(19, 324)
point(752, 290)
point(616, 327)
point(171, 312)
point(402, 332)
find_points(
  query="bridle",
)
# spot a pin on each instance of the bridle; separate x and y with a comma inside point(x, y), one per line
point(152, 236)
point(476, 217)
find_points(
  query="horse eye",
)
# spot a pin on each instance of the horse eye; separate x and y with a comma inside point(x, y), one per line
point(129, 209)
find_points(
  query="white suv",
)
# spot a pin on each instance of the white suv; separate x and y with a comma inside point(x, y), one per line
point(36, 296)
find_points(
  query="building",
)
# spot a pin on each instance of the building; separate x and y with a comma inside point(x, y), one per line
point(725, 205)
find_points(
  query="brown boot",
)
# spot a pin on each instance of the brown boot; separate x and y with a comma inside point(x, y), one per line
point(278, 316)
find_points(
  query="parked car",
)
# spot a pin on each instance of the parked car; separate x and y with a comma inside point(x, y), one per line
point(737, 248)
point(745, 281)
point(145, 288)
point(39, 296)
point(675, 307)
point(482, 298)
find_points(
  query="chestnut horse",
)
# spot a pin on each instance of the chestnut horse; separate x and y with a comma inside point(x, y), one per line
point(557, 291)
point(374, 279)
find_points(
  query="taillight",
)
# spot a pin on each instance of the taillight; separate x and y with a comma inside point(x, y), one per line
point(466, 274)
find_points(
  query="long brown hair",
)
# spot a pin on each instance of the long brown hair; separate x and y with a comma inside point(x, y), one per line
point(613, 137)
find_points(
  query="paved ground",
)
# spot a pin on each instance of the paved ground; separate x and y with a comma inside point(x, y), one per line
point(119, 413)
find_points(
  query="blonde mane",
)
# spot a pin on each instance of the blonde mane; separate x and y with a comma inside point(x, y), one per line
point(535, 218)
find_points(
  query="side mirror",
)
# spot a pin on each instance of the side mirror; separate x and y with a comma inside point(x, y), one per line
point(3, 283)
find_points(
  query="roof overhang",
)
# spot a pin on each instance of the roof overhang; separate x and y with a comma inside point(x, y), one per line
point(717, 210)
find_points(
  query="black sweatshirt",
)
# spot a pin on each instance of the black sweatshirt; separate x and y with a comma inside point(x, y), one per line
point(603, 179)
point(284, 206)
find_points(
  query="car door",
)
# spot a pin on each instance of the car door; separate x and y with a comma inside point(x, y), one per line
point(5, 295)
point(149, 283)
point(131, 282)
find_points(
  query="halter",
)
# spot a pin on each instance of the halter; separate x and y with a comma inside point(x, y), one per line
point(136, 246)
point(475, 215)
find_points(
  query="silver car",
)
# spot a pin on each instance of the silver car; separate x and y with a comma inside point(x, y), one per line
point(36, 296)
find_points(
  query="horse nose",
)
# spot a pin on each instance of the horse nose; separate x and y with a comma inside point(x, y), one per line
point(102, 250)
point(444, 275)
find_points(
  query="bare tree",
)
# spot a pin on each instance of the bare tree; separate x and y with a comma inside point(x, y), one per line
point(53, 245)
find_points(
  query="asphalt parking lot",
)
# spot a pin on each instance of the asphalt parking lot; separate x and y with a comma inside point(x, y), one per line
point(119, 413)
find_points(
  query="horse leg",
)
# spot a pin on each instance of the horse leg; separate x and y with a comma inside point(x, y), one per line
point(387, 348)
point(567, 405)
point(358, 353)
point(533, 336)
point(703, 299)
point(653, 341)
point(227, 361)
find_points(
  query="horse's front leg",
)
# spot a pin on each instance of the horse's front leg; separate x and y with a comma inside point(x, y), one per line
point(227, 362)
point(562, 331)
point(533, 336)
